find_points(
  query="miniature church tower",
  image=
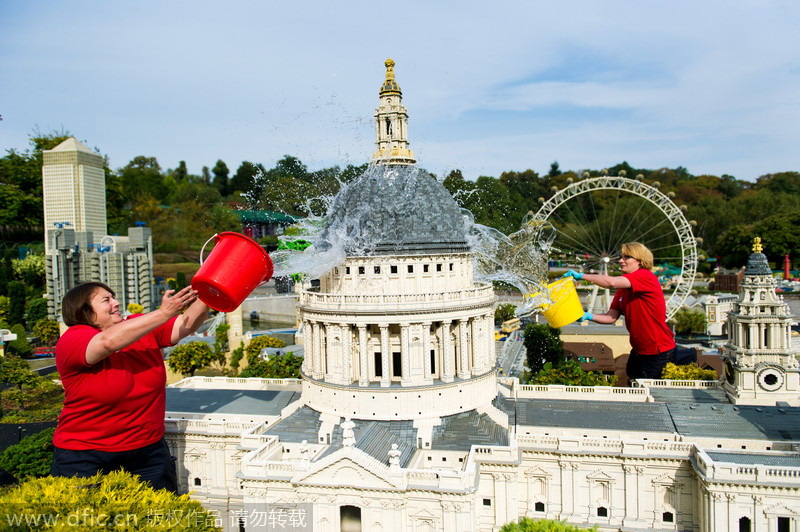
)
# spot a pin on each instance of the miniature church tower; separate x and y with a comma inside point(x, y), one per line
point(760, 366)
point(391, 119)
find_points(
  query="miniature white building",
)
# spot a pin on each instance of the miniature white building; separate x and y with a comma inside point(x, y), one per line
point(400, 423)
point(761, 366)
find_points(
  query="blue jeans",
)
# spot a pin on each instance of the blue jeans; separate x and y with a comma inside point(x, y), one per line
point(152, 463)
point(647, 366)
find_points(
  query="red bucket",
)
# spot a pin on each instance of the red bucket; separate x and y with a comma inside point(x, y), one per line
point(233, 269)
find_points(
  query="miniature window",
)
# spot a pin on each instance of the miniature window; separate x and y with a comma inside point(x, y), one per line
point(361, 270)
point(410, 268)
point(667, 517)
point(451, 266)
point(538, 507)
point(347, 270)
point(602, 511)
point(438, 267)
point(377, 269)
point(744, 524)
point(425, 268)
point(393, 269)
point(487, 502)
point(197, 481)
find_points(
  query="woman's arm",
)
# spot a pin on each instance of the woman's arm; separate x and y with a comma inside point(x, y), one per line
point(123, 334)
point(608, 317)
point(606, 281)
point(189, 321)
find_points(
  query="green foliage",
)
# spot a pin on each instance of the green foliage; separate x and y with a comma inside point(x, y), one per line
point(30, 270)
point(117, 500)
point(15, 371)
point(190, 357)
point(221, 341)
point(526, 524)
point(5, 306)
point(286, 366)
point(31, 457)
point(37, 310)
point(689, 321)
point(220, 181)
point(16, 308)
point(570, 373)
point(689, 372)
point(543, 344)
point(20, 347)
point(47, 331)
point(253, 349)
point(504, 312)
point(41, 402)
point(236, 357)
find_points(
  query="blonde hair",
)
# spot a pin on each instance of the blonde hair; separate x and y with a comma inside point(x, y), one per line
point(639, 252)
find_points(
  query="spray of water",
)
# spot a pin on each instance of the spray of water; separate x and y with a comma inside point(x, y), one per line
point(363, 228)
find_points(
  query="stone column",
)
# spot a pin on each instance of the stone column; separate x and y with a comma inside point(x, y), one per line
point(477, 346)
point(463, 349)
point(347, 352)
point(385, 354)
point(426, 352)
point(447, 355)
point(405, 355)
point(308, 358)
point(632, 508)
point(317, 372)
point(330, 356)
point(363, 356)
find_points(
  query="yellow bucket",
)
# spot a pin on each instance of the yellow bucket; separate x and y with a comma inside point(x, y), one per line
point(566, 305)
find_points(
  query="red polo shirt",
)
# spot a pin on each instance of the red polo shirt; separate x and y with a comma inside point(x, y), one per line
point(645, 313)
point(117, 404)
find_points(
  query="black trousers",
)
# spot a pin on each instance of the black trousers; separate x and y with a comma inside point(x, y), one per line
point(152, 463)
point(647, 366)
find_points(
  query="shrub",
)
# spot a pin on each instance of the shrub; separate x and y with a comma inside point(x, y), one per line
point(188, 358)
point(526, 524)
point(504, 312)
point(570, 373)
point(117, 500)
point(543, 344)
point(253, 349)
point(47, 331)
point(31, 457)
point(236, 357)
point(689, 372)
point(286, 366)
point(37, 310)
point(21, 346)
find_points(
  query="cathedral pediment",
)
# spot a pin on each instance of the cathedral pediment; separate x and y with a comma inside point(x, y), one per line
point(349, 467)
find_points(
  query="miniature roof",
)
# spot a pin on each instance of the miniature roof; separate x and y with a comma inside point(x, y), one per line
point(234, 402)
point(72, 144)
point(390, 86)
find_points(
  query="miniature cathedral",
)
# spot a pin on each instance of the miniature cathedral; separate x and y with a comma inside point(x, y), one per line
point(391, 123)
point(760, 367)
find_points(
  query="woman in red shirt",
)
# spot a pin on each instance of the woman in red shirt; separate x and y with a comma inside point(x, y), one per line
point(640, 299)
point(114, 382)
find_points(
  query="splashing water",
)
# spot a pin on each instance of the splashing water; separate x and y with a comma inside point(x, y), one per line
point(367, 217)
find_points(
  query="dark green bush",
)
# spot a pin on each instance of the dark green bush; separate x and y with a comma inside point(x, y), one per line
point(31, 457)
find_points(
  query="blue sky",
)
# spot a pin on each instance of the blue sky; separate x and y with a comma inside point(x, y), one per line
point(490, 86)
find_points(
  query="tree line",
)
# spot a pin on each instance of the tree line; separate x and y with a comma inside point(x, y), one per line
point(183, 209)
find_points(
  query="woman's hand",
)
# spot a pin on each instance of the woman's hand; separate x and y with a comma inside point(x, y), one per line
point(574, 275)
point(174, 303)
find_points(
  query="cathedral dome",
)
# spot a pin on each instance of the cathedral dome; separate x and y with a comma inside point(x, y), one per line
point(757, 264)
point(396, 210)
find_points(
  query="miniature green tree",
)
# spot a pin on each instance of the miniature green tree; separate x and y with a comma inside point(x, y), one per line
point(187, 358)
point(31, 457)
point(504, 312)
point(689, 321)
point(46, 330)
point(253, 349)
point(543, 344)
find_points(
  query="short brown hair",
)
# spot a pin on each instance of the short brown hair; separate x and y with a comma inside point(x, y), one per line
point(639, 252)
point(76, 307)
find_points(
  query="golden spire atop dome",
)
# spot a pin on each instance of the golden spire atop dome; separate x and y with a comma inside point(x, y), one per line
point(390, 86)
point(757, 247)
